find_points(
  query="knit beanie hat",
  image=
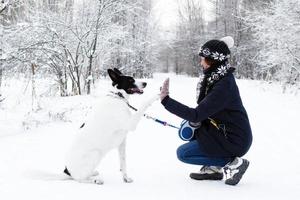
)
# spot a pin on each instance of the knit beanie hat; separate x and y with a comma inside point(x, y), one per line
point(217, 50)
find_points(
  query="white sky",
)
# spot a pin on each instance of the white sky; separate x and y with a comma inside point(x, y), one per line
point(166, 11)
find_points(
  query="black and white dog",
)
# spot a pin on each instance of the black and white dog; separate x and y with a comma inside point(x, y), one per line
point(105, 129)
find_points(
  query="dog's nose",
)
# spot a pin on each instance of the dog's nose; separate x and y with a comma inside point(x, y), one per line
point(144, 84)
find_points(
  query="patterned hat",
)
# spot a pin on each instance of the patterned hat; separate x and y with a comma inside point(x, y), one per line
point(217, 49)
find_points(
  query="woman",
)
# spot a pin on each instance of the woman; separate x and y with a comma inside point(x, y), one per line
point(225, 133)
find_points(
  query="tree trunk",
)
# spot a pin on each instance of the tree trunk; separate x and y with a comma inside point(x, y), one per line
point(89, 75)
point(78, 80)
point(65, 81)
point(34, 103)
point(93, 51)
point(1, 74)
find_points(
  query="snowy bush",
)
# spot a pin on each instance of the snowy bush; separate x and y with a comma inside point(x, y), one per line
point(75, 41)
point(277, 31)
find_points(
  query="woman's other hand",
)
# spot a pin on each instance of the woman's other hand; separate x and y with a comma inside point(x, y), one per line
point(164, 90)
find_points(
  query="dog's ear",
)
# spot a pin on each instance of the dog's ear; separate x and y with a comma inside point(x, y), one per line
point(118, 71)
point(113, 76)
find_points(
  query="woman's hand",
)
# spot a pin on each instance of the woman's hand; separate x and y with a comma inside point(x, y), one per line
point(164, 90)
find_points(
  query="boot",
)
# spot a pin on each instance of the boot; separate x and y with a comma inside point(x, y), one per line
point(235, 170)
point(208, 173)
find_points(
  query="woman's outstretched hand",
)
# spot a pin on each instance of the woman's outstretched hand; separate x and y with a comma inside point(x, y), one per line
point(164, 90)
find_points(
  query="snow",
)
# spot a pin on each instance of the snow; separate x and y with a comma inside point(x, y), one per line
point(32, 154)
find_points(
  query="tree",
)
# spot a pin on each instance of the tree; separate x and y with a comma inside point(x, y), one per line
point(190, 34)
point(67, 44)
point(106, 10)
point(135, 52)
point(276, 30)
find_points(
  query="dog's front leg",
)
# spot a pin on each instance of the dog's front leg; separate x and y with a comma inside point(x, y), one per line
point(139, 114)
point(123, 167)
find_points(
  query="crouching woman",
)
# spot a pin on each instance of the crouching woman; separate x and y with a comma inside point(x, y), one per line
point(225, 133)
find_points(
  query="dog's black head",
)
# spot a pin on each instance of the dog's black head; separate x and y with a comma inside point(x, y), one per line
point(127, 83)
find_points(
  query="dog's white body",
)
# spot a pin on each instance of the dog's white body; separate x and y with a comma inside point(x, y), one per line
point(105, 129)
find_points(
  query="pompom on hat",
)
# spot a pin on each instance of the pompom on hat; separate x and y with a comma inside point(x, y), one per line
point(217, 50)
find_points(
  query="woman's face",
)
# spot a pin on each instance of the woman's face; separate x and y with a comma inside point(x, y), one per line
point(203, 63)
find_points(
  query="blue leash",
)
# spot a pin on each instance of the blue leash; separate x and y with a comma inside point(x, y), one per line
point(164, 123)
point(119, 94)
point(160, 121)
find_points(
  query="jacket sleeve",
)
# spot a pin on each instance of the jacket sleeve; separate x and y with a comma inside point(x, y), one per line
point(215, 101)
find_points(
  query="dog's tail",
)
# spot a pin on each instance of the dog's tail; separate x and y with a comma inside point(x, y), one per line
point(46, 176)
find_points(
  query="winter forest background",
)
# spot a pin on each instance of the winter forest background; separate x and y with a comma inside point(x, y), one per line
point(53, 60)
point(73, 42)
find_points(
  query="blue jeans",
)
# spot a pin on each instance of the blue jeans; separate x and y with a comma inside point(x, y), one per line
point(190, 153)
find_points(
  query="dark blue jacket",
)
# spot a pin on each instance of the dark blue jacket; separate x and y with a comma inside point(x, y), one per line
point(223, 104)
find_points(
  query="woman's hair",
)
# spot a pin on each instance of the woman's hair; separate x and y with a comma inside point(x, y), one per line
point(211, 62)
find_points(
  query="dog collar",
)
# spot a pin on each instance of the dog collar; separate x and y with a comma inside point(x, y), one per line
point(116, 95)
point(121, 96)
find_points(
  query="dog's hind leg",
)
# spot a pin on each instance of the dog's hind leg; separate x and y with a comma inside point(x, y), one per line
point(94, 180)
point(85, 171)
point(95, 173)
point(123, 167)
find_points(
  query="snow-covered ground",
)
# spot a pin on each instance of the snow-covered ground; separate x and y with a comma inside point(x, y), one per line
point(32, 147)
